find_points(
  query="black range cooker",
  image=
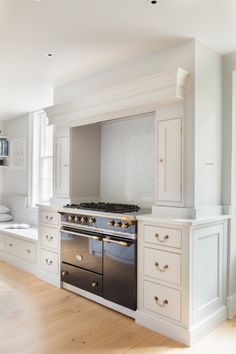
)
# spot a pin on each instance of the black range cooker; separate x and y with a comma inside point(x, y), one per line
point(99, 250)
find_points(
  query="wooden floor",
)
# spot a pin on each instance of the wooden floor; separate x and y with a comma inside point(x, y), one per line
point(36, 317)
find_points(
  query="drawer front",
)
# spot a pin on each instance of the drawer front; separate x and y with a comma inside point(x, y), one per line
point(50, 217)
point(49, 237)
point(49, 261)
point(162, 300)
point(163, 236)
point(81, 278)
point(22, 249)
point(162, 265)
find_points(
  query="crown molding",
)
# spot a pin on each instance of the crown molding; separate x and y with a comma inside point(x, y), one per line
point(135, 97)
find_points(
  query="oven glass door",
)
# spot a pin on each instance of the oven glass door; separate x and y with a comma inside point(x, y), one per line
point(119, 266)
point(82, 249)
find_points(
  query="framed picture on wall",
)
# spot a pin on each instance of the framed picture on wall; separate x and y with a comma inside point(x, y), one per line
point(18, 154)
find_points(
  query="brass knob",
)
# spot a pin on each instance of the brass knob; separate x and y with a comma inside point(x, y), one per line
point(94, 285)
point(161, 160)
point(28, 251)
point(110, 223)
point(64, 273)
point(125, 225)
point(91, 220)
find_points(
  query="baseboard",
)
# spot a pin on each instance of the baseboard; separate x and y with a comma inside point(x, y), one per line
point(186, 336)
point(207, 325)
point(164, 327)
point(48, 278)
point(19, 263)
point(231, 306)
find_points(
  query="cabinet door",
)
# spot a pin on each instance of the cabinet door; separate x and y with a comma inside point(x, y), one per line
point(169, 163)
point(62, 166)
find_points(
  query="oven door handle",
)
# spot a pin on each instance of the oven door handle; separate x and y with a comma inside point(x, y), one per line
point(121, 243)
point(97, 238)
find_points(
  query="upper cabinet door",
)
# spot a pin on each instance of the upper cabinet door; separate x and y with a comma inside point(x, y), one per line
point(62, 166)
point(169, 163)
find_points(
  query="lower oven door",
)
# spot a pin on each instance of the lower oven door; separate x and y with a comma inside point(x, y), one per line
point(82, 249)
point(119, 271)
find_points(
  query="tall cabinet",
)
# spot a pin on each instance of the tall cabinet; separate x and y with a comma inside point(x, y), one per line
point(170, 167)
point(76, 163)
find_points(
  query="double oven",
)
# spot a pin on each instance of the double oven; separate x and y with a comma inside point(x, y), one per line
point(97, 258)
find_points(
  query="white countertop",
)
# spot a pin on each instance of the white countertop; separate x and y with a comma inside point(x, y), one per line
point(176, 221)
point(31, 233)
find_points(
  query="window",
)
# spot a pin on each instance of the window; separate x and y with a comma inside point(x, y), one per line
point(41, 171)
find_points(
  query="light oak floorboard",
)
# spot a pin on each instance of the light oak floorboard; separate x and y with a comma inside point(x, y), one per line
point(37, 318)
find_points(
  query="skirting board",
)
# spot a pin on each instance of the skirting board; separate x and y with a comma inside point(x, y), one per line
point(100, 300)
point(178, 333)
point(48, 277)
point(19, 263)
point(231, 306)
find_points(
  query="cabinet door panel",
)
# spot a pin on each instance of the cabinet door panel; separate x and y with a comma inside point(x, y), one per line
point(169, 164)
point(62, 166)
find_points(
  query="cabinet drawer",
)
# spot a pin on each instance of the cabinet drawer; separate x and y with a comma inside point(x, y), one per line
point(163, 236)
point(162, 300)
point(49, 261)
point(49, 237)
point(162, 265)
point(81, 278)
point(50, 217)
point(22, 249)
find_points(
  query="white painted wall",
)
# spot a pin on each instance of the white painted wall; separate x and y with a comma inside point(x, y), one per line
point(127, 155)
point(176, 56)
point(208, 127)
point(15, 183)
point(229, 161)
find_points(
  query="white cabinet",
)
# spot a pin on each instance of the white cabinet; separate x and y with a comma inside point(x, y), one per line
point(62, 166)
point(182, 276)
point(169, 160)
point(76, 166)
point(49, 245)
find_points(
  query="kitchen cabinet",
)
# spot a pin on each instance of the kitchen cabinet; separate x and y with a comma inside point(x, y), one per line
point(62, 166)
point(49, 245)
point(76, 163)
point(169, 160)
point(182, 274)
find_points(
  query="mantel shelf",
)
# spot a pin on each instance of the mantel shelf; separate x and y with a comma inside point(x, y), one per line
point(132, 98)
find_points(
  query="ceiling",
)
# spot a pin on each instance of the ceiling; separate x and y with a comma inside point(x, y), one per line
point(83, 35)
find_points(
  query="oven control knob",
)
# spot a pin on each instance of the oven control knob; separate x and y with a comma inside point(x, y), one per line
point(118, 224)
point(83, 219)
point(111, 223)
point(70, 218)
point(125, 225)
point(92, 220)
point(76, 219)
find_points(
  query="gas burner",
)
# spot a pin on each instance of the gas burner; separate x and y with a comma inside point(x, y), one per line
point(105, 207)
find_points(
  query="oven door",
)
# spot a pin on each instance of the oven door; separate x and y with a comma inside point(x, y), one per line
point(119, 271)
point(82, 249)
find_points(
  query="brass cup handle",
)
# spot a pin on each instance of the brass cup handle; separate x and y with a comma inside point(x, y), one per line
point(164, 269)
point(94, 284)
point(166, 237)
point(163, 304)
point(49, 262)
point(28, 251)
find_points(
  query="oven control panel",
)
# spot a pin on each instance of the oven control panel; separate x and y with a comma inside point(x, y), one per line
point(119, 225)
